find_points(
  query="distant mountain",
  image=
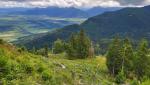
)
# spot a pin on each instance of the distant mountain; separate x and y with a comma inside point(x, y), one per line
point(99, 10)
point(131, 22)
point(67, 12)
point(13, 10)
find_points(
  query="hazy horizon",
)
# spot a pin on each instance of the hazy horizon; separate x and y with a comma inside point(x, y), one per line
point(73, 3)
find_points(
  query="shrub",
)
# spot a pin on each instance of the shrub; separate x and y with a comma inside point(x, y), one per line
point(46, 75)
point(59, 46)
point(4, 67)
point(27, 67)
point(120, 78)
point(134, 82)
point(1, 41)
point(41, 68)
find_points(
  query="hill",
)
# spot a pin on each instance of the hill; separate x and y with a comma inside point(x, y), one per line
point(99, 10)
point(131, 22)
point(21, 67)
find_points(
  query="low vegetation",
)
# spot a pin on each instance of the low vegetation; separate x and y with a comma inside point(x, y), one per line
point(21, 67)
point(73, 62)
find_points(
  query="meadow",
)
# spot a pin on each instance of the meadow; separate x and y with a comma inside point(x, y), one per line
point(20, 67)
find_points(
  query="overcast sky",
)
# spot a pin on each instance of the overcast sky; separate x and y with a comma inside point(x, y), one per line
point(72, 3)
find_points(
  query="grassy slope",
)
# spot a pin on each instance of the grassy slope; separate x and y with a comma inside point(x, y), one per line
point(26, 69)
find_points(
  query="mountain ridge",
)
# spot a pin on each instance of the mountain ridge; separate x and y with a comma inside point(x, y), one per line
point(131, 22)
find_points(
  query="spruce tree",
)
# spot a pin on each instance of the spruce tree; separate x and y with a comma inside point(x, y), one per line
point(83, 45)
point(128, 56)
point(114, 57)
point(72, 46)
point(142, 63)
point(79, 45)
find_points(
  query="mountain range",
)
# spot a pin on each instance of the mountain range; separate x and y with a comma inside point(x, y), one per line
point(66, 12)
point(131, 22)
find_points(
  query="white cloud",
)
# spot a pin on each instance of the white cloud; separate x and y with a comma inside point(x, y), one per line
point(74, 3)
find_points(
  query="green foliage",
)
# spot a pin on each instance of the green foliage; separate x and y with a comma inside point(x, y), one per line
point(97, 49)
point(128, 21)
point(22, 49)
point(114, 57)
point(78, 46)
point(4, 67)
point(135, 82)
point(146, 82)
point(58, 47)
point(142, 64)
point(27, 67)
point(1, 41)
point(128, 57)
point(120, 78)
point(24, 68)
point(46, 75)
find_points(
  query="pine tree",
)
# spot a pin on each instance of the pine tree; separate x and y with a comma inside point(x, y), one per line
point(114, 57)
point(72, 46)
point(83, 45)
point(128, 56)
point(142, 64)
point(78, 46)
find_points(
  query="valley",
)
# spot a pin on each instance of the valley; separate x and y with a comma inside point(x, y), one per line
point(15, 26)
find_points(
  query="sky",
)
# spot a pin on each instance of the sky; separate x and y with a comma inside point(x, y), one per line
point(74, 3)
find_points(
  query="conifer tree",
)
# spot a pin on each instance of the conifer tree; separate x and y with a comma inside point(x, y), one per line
point(128, 56)
point(114, 57)
point(83, 45)
point(142, 64)
point(78, 46)
point(72, 46)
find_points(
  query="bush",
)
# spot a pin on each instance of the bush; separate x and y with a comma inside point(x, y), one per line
point(134, 82)
point(27, 67)
point(4, 66)
point(146, 82)
point(59, 46)
point(41, 68)
point(1, 41)
point(46, 75)
point(120, 78)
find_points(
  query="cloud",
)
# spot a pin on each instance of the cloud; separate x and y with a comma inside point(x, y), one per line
point(73, 3)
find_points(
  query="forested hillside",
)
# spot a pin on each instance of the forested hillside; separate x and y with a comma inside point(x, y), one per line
point(131, 22)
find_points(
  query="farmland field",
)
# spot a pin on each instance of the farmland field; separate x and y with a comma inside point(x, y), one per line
point(15, 26)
